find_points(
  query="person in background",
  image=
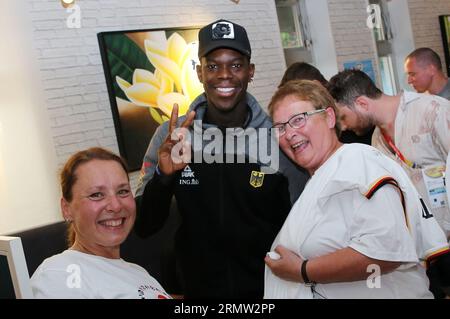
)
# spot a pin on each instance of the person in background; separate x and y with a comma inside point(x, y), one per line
point(412, 128)
point(358, 218)
point(302, 71)
point(447, 177)
point(306, 71)
point(425, 74)
point(98, 205)
point(231, 202)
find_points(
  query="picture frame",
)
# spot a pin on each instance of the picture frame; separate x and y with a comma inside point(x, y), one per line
point(146, 72)
point(444, 22)
point(362, 65)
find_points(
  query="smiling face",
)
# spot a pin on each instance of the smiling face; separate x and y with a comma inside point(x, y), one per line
point(311, 145)
point(225, 75)
point(102, 207)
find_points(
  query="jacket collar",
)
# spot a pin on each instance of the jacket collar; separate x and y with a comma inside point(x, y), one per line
point(256, 115)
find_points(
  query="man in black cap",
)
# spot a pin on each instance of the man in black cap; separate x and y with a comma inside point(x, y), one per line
point(231, 200)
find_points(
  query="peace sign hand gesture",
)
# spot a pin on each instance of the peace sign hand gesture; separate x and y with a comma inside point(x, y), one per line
point(175, 152)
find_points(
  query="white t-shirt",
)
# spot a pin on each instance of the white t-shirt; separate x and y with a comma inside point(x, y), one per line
point(422, 135)
point(334, 212)
point(76, 275)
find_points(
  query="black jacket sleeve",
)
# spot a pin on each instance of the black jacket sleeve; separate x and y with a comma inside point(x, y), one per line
point(438, 273)
point(153, 206)
point(154, 192)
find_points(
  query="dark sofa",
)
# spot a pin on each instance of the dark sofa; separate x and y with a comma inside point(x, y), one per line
point(154, 253)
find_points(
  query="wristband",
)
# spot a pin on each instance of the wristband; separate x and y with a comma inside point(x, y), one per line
point(305, 278)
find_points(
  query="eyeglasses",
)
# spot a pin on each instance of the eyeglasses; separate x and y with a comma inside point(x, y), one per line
point(296, 121)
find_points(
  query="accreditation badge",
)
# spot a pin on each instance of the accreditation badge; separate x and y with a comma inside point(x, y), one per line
point(433, 178)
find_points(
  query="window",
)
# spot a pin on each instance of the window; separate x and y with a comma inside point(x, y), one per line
point(383, 37)
point(384, 32)
point(387, 75)
point(289, 22)
point(294, 30)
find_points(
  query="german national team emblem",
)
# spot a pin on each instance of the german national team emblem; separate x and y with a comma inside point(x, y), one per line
point(256, 179)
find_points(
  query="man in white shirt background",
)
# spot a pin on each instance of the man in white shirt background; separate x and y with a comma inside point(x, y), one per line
point(425, 74)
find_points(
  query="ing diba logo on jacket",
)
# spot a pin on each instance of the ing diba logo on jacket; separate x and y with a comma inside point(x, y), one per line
point(188, 177)
point(256, 179)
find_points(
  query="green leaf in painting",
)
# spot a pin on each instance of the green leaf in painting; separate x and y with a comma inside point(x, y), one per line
point(124, 56)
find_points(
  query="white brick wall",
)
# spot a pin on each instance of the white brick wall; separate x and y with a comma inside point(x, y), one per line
point(72, 73)
point(353, 39)
point(425, 23)
point(71, 69)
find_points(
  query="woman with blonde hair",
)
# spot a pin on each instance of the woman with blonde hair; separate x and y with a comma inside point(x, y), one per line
point(99, 207)
point(357, 230)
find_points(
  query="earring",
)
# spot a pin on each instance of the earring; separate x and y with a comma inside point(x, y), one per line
point(68, 220)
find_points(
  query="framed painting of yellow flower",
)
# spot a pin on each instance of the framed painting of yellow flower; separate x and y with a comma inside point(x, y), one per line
point(147, 71)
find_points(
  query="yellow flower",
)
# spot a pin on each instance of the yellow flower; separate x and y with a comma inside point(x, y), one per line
point(173, 81)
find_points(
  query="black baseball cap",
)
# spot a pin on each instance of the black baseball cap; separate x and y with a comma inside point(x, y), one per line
point(223, 34)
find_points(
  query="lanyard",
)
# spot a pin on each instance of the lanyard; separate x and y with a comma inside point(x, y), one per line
point(397, 152)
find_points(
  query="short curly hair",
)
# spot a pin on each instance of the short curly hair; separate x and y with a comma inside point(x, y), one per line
point(304, 90)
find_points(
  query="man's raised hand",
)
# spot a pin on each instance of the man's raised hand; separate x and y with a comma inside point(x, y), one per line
point(175, 152)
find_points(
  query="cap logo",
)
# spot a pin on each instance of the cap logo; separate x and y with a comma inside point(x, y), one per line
point(222, 30)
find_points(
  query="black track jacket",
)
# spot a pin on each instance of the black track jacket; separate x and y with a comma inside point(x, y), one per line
point(230, 212)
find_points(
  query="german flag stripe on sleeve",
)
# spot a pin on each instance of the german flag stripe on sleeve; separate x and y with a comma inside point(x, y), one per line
point(388, 180)
point(435, 254)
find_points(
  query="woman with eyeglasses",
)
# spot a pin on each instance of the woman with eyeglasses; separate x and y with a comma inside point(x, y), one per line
point(357, 230)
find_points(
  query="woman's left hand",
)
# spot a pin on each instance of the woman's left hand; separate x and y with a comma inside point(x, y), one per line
point(288, 266)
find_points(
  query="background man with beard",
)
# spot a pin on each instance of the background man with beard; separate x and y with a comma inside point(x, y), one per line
point(228, 218)
point(411, 127)
point(306, 71)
